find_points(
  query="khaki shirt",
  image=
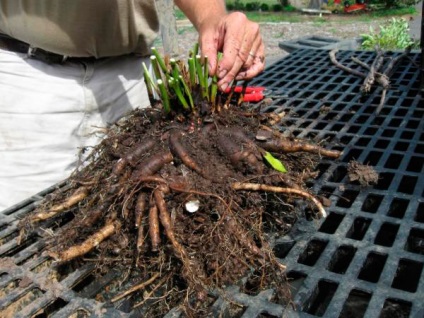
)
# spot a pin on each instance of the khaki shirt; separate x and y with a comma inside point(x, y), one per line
point(82, 28)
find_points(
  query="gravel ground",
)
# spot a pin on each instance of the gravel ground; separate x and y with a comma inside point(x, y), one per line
point(274, 33)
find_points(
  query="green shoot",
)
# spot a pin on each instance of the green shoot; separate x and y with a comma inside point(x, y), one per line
point(148, 80)
point(274, 162)
point(192, 71)
point(160, 60)
point(199, 70)
point(214, 84)
point(175, 85)
point(165, 96)
point(182, 84)
point(155, 66)
point(195, 49)
point(188, 92)
point(206, 77)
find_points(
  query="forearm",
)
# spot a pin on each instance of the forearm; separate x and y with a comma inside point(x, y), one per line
point(202, 11)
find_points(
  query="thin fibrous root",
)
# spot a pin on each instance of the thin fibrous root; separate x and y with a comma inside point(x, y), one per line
point(146, 296)
point(89, 244)
point(79, 195)
point(244, 240)
point(135, 288)
point(263, 187)
point(286, 146)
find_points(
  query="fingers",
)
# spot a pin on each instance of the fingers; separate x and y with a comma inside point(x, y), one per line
point(209, 43)
point(240, 41)
point(243, 50)
point(257, 66)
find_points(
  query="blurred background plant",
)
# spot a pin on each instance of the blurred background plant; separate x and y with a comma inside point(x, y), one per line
point(393, 35)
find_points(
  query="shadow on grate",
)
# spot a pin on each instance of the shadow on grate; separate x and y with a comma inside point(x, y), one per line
point(365, 259)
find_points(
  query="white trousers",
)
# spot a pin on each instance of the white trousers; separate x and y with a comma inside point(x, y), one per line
point(49, 112)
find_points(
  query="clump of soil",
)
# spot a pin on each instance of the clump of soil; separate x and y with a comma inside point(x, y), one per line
point(363, 174)
point(182, 207)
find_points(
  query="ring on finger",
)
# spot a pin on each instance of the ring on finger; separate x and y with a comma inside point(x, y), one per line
point(252, 54)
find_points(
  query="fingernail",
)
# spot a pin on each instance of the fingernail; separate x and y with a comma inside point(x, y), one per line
point(222, 73)
point(224, 86)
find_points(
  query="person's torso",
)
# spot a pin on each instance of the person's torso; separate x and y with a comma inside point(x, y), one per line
point(81, 28)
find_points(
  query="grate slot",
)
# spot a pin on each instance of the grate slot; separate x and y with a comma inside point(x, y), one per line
point(415, 241)
point(384, 181)
point(281, 249)
point(373, 267)
point(331, 223)
point(394, 161)
point(296, 280)
point(415, 164)
point(372, 202)
point(396, 308)
point(51, 308)
point(347, 198)
point(386, 236)
point(356, 304)
point(358, 228)
point(398, 208)
point(338, 174)
point(407, 184)
point(312, 252)
point(341, 259)
point(419, 216)
point(320, 298)
point(401, 146)
point(18, 300)
point(407, 275)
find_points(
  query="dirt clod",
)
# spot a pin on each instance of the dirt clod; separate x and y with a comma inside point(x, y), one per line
point(363, 174)
point(133, 218)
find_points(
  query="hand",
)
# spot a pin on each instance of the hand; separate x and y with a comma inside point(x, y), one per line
point(241, 43)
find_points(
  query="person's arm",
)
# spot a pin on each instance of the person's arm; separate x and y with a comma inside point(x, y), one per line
point(233, 34)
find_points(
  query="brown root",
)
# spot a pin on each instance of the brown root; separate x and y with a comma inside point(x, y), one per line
point(154, 227)
point(178, 150)
point(89, 244)
point(238, 154)
point(285, 145)
point(139, 210)
point(152, 165)
point(166, 222)
point(263, 187)
point(180, 229)
point(79, 195)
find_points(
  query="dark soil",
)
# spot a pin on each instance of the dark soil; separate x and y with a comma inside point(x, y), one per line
point(132, 216)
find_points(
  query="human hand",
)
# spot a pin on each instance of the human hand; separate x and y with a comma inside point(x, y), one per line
point(240, 42)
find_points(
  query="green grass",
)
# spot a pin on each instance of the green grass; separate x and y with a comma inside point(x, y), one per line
point(268, 2)
point(263, 17)
point(296, 17)
point(393, 12)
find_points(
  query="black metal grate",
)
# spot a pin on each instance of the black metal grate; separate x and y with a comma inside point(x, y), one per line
point(365, 259)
